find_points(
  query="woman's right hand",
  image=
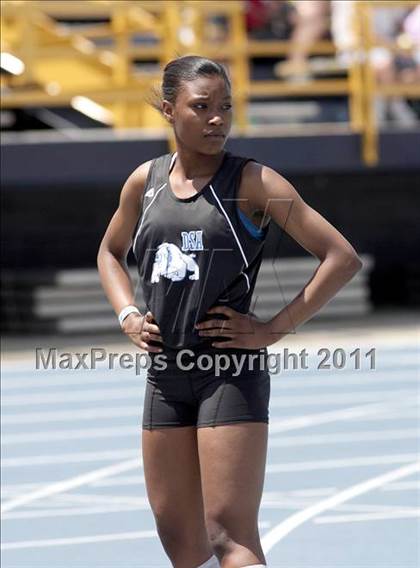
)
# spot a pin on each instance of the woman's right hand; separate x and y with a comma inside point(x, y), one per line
point(141, 331)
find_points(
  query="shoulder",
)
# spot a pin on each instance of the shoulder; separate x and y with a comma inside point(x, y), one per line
point(260, 182)
point(134, 185)
point(140, 174)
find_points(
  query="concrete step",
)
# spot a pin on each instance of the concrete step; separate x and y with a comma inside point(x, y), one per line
point(72, 301)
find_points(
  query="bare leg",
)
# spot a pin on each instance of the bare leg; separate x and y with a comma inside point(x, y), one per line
point(232, 462)
point(173, 484)
point(312, 22)
point(311, 26)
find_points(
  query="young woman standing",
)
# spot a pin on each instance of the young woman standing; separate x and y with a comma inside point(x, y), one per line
point(197, 221)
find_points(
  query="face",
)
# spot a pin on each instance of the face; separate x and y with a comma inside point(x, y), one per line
point(202, 114)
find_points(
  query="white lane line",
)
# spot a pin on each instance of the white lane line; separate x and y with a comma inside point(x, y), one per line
point(273, 504)
point(361, 508)
point(135, 480)
point(71, 415)
point(353, 518)
point(102, 376)
point(108, 378)
point(79, 434)
point(70, 457)
point(389, 412)
point(298, 422)
point(381, 381)
point(301, 493)
point(356, 510)
point(74, 511)
point(277, 533)
point(400, 415)
point(130, 480)
point(83, 457)
point(122, 480)
point(299, 501)
point(403, 486)
point(343, 438)
point(356, 461)
point(280, 380)
point(270, 500)
point(66, 396)
point(275, 427)
point(275, 441)
point(78, 540)
point(339, 398)
point(336, 415)
point(113, 537)
point(13, 488)
point(127, 411)
point(72, 482)
point(127, 480)
point(102, 499)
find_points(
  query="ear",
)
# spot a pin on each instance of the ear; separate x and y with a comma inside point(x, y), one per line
point(168, 111)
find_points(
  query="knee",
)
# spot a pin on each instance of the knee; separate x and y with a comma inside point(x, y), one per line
point(181, 536)
point(227, 532)
point(220, 538)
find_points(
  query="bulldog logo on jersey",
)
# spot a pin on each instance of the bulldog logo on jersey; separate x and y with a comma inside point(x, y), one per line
point(172, 263)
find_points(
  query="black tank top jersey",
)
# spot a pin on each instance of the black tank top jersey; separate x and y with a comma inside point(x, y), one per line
point(194, 253)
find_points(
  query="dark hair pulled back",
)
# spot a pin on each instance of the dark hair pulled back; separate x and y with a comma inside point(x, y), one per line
point(184, 69)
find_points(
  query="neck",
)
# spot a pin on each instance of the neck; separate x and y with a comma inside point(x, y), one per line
point(191, 165)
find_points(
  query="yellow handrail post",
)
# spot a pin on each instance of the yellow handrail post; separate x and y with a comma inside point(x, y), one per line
point(370, 133)
point(240, 67)
point(171, 47)
point(355, 75)
point(26, 51)
point(121, 67)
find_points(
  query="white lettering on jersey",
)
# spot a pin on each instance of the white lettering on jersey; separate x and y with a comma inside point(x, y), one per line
point(192, 240)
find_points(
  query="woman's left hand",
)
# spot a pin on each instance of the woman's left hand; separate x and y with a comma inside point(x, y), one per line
point(244, 330)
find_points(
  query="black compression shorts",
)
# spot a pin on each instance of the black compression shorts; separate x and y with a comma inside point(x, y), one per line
point(206, 386)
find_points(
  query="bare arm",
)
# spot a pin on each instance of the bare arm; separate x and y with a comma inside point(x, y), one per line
point(270, 192)
point(270, 195)
point(113, 250)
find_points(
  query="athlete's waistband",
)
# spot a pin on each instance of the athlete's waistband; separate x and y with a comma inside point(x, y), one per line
point(205, 347)
point(205, 359)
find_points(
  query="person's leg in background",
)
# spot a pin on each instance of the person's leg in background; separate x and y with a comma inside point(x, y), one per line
point(312, 23)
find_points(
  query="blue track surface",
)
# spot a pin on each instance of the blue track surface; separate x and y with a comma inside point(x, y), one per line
point(341, 489)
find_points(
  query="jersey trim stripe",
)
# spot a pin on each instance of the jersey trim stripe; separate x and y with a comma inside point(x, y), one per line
point(143, 216)
point(234, 234)
point(172, 161)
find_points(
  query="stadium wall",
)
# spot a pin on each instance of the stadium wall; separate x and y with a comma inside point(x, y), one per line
point(58, 197)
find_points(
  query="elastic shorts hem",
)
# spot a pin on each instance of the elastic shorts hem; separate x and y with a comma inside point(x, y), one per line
point(230, 421)
point(161, 426)
point(205, 424)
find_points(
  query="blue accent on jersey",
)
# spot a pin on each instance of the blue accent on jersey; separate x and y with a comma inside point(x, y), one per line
point(249, 225)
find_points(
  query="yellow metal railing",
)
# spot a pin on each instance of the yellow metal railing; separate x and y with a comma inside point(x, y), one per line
point(62, 62)
point(370, 88)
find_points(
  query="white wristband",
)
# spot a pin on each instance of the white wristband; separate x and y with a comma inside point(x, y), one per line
point(126, 311)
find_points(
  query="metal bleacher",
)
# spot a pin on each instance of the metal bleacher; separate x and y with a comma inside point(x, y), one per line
point(111, 53)
point(72, 301)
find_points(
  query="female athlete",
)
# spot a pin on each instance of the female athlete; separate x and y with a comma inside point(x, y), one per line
point(196, 221)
